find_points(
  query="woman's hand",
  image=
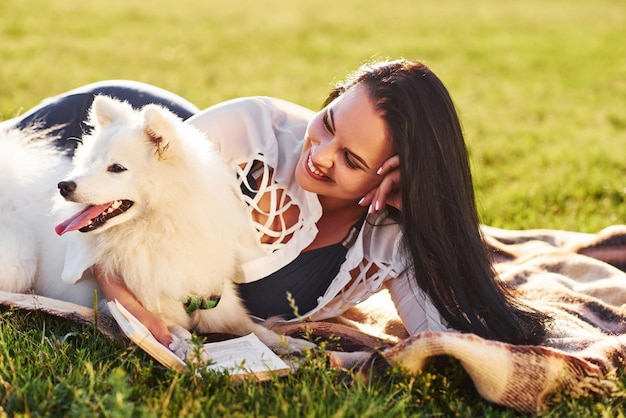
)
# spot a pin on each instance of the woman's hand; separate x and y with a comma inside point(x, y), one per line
point(388, 191)
point(157, 326)
point(114, 288)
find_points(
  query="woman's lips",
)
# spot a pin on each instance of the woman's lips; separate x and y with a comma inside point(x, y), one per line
point(313, 170)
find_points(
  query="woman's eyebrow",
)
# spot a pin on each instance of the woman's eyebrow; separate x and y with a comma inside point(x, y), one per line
point(331, 118)
point(359, 159)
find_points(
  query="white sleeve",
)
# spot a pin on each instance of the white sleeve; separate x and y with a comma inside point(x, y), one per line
point(414, 307)
point(249, 126)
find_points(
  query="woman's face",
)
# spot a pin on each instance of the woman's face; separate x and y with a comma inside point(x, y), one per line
point(345, 144)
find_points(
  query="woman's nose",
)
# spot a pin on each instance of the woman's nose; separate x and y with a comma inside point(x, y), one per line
point(322, 153)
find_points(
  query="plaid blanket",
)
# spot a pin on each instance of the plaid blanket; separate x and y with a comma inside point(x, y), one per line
point(579, 279)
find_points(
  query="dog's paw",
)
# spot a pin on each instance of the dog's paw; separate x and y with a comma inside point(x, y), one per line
point(184, 347)
point(181, 344)
point(179, 332)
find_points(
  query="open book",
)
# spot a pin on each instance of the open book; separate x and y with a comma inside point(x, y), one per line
point(241, 357)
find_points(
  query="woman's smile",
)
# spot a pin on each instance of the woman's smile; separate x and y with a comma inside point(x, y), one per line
point(314, 172)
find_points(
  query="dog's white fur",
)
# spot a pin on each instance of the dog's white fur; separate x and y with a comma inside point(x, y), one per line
point(181, 237)
point(31, 254)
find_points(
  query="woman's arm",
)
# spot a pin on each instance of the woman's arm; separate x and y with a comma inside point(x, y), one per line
point(113, 288)
point(414, 307)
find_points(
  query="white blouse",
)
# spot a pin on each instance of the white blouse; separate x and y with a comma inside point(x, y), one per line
point(272, 131)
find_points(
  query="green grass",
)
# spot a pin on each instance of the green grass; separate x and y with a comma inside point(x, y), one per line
point(540, 86)
point(55, 368)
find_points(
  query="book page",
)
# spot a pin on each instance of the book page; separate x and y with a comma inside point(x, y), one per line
point(242, 355)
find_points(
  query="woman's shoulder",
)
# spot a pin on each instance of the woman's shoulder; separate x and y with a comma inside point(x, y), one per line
point(254, 108)
point(381, 237)
point(379, 242)
point(252, 124)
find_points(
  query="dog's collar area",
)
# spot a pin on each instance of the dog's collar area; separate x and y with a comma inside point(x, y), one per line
point(193, 303)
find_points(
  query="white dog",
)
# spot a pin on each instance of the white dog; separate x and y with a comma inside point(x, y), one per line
point(160, 206)
point(156, 206)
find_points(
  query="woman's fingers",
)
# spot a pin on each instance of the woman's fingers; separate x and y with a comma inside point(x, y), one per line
point(390, 164)
point(367, 199)
point(388, 191)
point(159, 329)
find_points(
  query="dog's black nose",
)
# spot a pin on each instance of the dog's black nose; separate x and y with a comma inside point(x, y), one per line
point(66, 188)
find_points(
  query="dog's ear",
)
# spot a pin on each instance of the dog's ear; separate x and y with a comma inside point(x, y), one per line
point(105, 110)
point(160, 126)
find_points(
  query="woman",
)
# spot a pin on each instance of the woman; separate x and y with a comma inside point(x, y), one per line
point(373, 191)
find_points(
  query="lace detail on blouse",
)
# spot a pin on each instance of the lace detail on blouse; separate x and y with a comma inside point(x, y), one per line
point(256, 182)
point(370, 277)
point(367, 278)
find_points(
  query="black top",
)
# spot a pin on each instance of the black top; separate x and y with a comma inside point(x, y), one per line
point(305, 279)
point(67, 114)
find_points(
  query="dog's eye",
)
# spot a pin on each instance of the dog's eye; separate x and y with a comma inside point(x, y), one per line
point(116, 168)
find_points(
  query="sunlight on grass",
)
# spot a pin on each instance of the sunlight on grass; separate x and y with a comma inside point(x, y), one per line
point(541, 89)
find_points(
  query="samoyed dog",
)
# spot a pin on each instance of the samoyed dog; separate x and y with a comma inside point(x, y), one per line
point(153, 204)
point(31, 254)
point(160, 208)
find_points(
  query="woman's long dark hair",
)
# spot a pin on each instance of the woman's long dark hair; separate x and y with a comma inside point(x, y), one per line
point(441, 231)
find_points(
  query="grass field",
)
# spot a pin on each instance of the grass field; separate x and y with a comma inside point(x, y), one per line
point(540, 86)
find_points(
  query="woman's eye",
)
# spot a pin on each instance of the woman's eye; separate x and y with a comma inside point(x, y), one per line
point(116, 168)
point(326, 123)
point(348, 159)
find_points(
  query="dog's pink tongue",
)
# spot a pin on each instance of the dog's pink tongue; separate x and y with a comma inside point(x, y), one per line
point(80, 219)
